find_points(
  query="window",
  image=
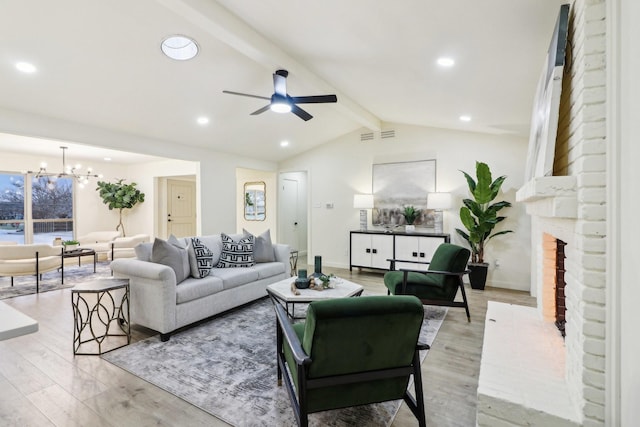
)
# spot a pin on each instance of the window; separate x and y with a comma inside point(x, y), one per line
point(11, 207)
point(51, 209)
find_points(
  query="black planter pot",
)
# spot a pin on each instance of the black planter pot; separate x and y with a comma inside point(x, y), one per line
point(478, 275)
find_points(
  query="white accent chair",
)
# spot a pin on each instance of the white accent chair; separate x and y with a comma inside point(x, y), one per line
point(124, 247)
point(99, 241)
point(28, 260)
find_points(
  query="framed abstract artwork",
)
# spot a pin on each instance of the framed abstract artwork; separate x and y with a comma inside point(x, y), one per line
point(396, 185)
point(546, 109)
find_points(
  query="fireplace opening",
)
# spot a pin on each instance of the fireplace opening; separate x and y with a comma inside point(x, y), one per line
point(561, 308)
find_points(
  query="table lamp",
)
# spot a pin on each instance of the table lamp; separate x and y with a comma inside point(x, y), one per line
point(363, 202)
point(438, 202)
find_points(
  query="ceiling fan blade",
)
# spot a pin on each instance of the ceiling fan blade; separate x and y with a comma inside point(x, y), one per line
point(261, 110)
point(280, 83)
point(317, 99)
point(246, 94)
point(301, 113)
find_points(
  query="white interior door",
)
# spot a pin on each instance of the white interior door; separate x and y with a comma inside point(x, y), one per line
point(289, 214)
point(181, 208)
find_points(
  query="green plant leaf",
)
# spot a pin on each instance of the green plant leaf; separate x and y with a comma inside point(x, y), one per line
point(499, 233)
point(467, 219)
point(495, 186)
point(470, 182)
point(483, 193)
point(473, 206)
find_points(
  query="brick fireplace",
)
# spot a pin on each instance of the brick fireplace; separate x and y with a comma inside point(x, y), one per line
point(529, 375)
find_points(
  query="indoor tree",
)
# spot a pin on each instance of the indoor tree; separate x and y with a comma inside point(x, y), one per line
point(118, 195)
point(479, 215)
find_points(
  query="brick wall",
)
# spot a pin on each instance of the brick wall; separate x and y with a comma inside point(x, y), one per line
point(581, 152)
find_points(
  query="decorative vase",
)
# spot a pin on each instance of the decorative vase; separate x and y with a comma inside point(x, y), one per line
point(409, 228)
point(302, 282)
point(317, 272)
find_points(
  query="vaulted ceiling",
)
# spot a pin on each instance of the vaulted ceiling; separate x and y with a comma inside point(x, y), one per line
point(99, 64)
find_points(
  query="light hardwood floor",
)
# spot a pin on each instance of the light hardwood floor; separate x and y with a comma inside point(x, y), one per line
point(42, 383)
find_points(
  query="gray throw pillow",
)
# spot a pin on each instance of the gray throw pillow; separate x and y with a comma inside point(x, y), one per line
point(263, 248)
point(200, 258)
point(143, 251)
point(236, 253)
point(172, 253)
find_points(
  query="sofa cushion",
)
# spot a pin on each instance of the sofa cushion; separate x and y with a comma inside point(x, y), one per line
point(268, 269)
point(200, 258)
point(236, 253)
point(263, 248)
point(234, 277)
point(173, 254)
point(193, 289)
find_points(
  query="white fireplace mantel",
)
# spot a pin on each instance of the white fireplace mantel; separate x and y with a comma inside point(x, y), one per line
point(550, 196)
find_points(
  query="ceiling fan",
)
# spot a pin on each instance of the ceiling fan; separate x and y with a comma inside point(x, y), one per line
point(281, 102)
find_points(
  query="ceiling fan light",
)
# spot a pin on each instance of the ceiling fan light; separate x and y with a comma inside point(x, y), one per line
point(281, 107)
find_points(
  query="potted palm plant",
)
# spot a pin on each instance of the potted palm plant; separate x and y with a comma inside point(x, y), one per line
point(479, 215)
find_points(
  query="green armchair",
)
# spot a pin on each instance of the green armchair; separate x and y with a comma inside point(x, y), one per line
point(439, 284)
point(351, 351)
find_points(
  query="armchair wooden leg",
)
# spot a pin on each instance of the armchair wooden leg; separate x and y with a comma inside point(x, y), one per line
point(464, 298)
point(416, 405)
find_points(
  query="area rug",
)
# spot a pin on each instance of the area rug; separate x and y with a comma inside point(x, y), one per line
point(25, 285)
point(227, 367)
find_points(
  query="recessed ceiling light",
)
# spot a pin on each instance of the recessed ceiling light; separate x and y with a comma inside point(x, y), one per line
point(203, 120)
point(107, 159)
point(465, 118)
point(180, 48)
point(446, 62)
point(26, 67)
point(284, 144)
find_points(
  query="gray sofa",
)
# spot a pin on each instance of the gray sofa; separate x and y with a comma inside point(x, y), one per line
point(160, 303)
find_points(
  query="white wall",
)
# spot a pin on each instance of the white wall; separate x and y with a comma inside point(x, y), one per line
point(623, 316)
point(342, 168)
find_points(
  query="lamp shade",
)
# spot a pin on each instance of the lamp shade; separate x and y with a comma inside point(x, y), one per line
point(439, 201)
point(363, 201)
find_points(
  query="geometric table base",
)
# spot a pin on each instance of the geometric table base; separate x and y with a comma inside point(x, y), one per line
point(101, 314)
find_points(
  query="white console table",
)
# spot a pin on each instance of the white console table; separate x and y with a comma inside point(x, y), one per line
point(373, 248)
point(14, 323)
